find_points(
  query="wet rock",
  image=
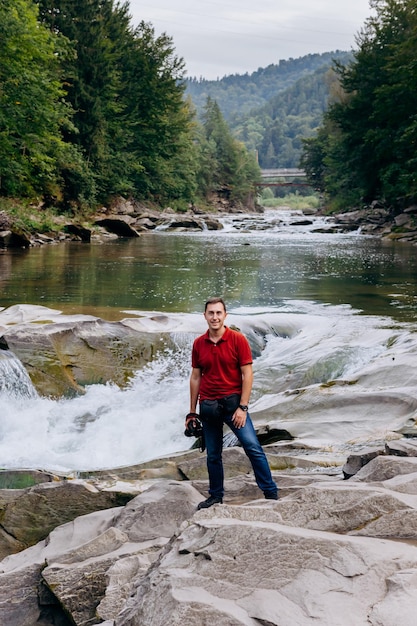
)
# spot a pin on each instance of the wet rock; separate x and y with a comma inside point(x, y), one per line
point(62, 358)
point(185, 224)
point(212, 224)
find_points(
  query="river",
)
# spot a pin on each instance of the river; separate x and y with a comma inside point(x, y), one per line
point(331, 317)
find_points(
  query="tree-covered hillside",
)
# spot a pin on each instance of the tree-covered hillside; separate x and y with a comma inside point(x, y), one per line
point(274, 109)
point(238, 94)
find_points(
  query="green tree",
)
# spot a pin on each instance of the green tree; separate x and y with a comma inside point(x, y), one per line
point(126, 88)
point(225, 163)
point(32, 111)
point(368, 138)
point(159, 124)
point(97, 32)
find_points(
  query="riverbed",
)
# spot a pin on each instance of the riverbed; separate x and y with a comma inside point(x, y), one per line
point(337, 367)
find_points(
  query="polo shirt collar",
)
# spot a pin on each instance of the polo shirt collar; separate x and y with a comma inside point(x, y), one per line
point(222, 338)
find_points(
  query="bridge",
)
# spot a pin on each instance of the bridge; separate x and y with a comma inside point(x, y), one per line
point(282, 177)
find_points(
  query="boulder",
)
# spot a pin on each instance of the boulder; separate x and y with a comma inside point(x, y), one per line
point(14, 239)
point(356, 461)
point(382, 468)
point(79, 232)
point(29, 515)
point(402, 447)
point(62, 358)
point(119, 225)
point(185, 223)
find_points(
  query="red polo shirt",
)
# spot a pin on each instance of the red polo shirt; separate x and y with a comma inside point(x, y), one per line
point(220, 363)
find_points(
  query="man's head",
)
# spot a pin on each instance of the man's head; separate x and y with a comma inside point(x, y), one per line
point(215, 300)
point(215, 314)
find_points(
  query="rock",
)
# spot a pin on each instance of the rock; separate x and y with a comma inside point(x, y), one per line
point(80, 232)
point(383, 468)
point(29, 515)
point(78, 557)
point(301, 223)
point(356, 510)
point(118, 225)
point(233, 569)
point(212, 224)
point(411, 209)
point(401, 447)
point(315, 554)
point(403, 219)
point(356, 461)
point(185, 223)
point(14, 239)
point(235, 462)
point(62, 358)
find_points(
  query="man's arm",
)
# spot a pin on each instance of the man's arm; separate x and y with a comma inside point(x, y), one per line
point(195, 379)
point(239, 417)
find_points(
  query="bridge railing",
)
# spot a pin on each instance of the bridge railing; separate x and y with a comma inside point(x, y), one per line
point(283, 173)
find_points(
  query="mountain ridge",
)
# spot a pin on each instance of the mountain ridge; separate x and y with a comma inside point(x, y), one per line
point(272, 109)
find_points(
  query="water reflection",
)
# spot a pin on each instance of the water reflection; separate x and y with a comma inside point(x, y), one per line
point(177, 272)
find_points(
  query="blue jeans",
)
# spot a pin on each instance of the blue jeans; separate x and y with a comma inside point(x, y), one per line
point(213, 433)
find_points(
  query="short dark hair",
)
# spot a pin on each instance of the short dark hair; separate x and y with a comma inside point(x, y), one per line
point(214, 300)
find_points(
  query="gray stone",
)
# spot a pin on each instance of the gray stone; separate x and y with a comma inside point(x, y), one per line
point(29, 515)
point(119, 225)
point(356, 461)
point(62, 358)
point(235, 462)
point(233, 572)
point(402, 447)
point(384, 467)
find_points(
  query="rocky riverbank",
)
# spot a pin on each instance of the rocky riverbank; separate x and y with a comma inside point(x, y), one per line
point(127, 547)
point(126, 218)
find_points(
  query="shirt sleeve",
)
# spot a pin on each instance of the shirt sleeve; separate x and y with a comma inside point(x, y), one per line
point(244, 351)
point(194, 355)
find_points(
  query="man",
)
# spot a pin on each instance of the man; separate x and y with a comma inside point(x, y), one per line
point(221, 381)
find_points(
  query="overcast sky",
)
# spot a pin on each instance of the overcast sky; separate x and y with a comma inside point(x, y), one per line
point(217, 38)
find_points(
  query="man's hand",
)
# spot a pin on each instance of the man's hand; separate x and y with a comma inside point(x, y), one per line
point(239, 418)
point(190, 417)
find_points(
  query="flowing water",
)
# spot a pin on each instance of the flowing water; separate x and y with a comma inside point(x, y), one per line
point(331, 319)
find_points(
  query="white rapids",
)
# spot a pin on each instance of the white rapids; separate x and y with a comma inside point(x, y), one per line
point(328, 375)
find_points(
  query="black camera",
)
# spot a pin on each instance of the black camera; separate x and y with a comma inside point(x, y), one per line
point(194, 427)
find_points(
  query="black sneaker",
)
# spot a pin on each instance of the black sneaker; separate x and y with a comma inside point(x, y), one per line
point(209, 502)
point(271, 496)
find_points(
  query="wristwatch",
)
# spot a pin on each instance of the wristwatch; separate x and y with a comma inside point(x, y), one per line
point(244, 407)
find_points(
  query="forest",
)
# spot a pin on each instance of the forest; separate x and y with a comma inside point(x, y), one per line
point(273, 109)
point(365, 149)
point(93, 107)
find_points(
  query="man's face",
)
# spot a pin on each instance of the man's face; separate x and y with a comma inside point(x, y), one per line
point(215, 316)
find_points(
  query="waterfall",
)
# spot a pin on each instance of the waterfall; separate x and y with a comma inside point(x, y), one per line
point(14, 379)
